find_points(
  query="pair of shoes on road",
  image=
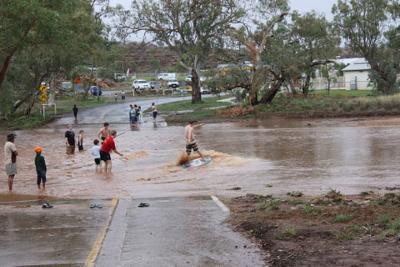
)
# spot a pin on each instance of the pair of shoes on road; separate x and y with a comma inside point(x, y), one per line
point(144, 205)
point(46, 205)
point(94, 205)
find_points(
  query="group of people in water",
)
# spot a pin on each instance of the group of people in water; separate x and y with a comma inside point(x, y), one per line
point(103, 146)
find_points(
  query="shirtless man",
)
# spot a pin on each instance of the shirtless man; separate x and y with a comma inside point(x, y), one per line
point(104, 132)
point(190, 140)
point(107, 147)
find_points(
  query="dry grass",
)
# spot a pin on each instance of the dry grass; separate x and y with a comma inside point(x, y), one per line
point(237, 111)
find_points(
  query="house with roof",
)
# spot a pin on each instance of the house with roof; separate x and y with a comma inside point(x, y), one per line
point(356, 75)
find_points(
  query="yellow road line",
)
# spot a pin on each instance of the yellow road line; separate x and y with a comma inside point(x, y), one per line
point(91, 259)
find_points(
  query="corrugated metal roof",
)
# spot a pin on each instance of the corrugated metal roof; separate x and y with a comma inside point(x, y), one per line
point(361, 65)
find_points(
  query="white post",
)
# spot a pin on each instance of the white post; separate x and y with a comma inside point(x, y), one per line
point(44, 111)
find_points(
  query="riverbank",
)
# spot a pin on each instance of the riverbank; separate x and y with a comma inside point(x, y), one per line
point(319, 104)
point(64, 106)
point(331, 230)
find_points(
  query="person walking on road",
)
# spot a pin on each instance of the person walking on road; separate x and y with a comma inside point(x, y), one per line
point(106, 148)
point(70, 141)
point(10, 158)
point(154, 110)
point(190, 139)
point(41, 168)
point(75, 111)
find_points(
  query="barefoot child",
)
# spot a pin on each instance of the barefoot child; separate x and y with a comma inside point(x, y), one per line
point(190, 139)
point(41, 168)
point(95, 151)
point(80, 140)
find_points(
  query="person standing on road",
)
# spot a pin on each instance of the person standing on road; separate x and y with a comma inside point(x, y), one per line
point(104, 132)
point(115, 96)
point(75, 111)
point(131, 113)
point(190, 139)
point(123, 95)
point(10, 158)
point(154, 110)
point(106, 148)
point(80, 140)
point(70, 141)
point(95, 151)
point(41, 168)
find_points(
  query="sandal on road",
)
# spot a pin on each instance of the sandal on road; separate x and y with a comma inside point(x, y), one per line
point(46, 205)
point(143, 205)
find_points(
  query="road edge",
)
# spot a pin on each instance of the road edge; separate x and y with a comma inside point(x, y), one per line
point(94, 252)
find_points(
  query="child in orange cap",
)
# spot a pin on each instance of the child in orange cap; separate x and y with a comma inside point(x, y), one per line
point(41, 168)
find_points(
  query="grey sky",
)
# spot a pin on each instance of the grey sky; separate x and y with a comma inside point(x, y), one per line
point(321, 6)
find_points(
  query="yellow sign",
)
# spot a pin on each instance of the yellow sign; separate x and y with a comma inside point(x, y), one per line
point(43, 98)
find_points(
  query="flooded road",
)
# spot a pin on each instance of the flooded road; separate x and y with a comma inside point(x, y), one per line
point(273, 156)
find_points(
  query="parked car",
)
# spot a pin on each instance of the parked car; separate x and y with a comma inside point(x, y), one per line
point(141, 85)
point(96, 91)
point(166, 76)
point(173, 84)
point(155, 85)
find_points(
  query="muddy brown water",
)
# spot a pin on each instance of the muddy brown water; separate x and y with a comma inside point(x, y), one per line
point(351, 155)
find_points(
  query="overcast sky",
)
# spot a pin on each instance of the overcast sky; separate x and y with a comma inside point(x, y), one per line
point(321, 6)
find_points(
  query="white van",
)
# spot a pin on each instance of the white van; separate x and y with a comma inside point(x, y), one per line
point(167, 76)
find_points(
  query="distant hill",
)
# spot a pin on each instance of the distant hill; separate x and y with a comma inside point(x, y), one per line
point(150, 58)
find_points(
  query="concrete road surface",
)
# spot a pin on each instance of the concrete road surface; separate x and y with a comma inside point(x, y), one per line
point(175, 232)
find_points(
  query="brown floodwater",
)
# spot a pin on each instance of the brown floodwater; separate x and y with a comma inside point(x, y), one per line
point(271, 156)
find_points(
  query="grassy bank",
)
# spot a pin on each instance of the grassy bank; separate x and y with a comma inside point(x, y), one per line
point(64, 106)
point(182, 111)
point(334, 105)
point(331, 230)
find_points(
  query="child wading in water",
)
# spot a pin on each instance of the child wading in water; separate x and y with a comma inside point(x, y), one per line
point(41, 168)
point(80, 140)
point(95, 151)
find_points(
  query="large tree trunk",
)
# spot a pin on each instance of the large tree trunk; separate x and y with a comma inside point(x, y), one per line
point(196, 94)
point(306, 85)
point(270, 95)
point(4, 68)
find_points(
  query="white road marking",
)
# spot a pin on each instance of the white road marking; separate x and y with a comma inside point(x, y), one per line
point(220, 204)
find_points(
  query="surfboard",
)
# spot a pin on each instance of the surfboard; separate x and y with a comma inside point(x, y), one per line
point(197, 162)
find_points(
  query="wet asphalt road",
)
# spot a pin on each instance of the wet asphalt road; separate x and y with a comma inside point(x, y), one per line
point(61, 236)
point(175, 232)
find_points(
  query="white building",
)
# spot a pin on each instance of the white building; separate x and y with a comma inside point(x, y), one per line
point(356, 75)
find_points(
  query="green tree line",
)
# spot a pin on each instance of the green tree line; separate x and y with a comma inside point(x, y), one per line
point(43, 39)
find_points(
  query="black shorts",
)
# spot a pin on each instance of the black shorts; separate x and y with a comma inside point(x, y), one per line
point(155, 113)
point(104, 156)
point(97, 161)
point(41, 178)
point(191, 146)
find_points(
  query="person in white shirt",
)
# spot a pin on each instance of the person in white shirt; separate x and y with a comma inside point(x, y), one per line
point(95, 151)
point(10, 158)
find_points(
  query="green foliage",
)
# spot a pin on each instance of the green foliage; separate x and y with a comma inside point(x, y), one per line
point(191, 28)
point(342, 218)
point(45, 39)
point(271, 205)
point(311, 210)
point(364, 25)
point(287, 233)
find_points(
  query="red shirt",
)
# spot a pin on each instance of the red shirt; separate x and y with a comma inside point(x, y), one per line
point(108, 144)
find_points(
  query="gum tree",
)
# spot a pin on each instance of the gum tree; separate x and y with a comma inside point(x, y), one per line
point(189, 27)
point(366, 26)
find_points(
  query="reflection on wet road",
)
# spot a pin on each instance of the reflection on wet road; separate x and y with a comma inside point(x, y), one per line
point(311, 156)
